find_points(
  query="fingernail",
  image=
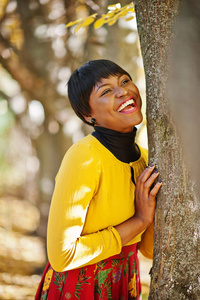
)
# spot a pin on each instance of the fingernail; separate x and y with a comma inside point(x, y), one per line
point(156, 171)
point(151, 165)
point(160, 181)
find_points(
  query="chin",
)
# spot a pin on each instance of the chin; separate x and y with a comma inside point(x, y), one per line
point(139, 121)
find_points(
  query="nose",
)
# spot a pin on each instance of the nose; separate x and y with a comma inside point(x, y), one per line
point(121, 91)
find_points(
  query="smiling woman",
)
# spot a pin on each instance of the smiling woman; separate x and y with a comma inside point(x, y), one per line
point(103, 204)
point(116, 104)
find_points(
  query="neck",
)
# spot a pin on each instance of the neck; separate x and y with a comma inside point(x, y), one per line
point(122, 145)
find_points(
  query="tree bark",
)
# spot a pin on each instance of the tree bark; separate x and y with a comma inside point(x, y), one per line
point(184, 81)
point(175, 271)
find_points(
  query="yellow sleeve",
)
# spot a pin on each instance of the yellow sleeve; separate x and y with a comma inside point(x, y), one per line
point(76, 184)
point(146, 244)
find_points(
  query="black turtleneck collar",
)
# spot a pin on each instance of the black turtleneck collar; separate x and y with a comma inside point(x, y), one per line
point(122, 145)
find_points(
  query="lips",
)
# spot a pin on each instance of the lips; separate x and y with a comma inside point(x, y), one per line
point(127, 106)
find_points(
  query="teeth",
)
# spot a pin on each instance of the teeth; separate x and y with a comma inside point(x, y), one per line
point(131, 101)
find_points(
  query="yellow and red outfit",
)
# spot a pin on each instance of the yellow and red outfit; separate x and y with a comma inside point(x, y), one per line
point(93, 193)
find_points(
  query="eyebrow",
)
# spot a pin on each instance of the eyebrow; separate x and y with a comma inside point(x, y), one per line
point(109, 83)
point(102, 85)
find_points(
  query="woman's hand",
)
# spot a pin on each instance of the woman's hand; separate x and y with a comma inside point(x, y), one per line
point(145, 204)
point(145, 195)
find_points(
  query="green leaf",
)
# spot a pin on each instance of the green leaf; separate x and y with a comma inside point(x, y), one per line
point(130, 254)
point(98, 290)
point(125, 270)
point(101, 265)
point(44, 297)
point(57, 283)
point(103, 275)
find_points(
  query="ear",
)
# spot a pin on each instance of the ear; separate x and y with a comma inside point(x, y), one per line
point(88, 118)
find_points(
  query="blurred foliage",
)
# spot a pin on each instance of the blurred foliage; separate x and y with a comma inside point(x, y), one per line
point(38, 53)
point(36, 58)
point(115, 12)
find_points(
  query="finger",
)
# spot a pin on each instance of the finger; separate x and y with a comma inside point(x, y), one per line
point(145, 174)
point(155, 189)
point(147, 186)
point(150, 181)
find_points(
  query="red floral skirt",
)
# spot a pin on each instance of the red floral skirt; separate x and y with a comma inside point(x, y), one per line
point(115, 278)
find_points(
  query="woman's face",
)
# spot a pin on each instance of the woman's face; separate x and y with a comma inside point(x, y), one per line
point(116, 104)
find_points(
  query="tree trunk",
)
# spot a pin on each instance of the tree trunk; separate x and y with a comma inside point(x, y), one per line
point(184, 81)
point(175, 271)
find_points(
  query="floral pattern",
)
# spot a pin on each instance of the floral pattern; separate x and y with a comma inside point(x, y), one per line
point(132, 289)
point(59, 279)
point(107, 279)
point(82, 279)
point(47, 279)
point(111, 279)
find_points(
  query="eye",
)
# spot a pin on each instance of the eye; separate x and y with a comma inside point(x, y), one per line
point(125, 81)
point(106, 92)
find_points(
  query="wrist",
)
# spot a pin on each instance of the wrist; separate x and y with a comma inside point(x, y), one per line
point(142, 222)
point(129, 229)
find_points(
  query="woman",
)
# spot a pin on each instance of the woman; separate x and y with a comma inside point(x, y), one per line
point(103, 204)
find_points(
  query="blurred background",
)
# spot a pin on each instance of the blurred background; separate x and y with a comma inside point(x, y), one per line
point(37, 126)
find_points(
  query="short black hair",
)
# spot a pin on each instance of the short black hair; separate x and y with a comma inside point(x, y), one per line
point(83, 80)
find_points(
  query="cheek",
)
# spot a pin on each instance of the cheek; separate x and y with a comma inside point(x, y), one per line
point(101, 106)
point(96, 110)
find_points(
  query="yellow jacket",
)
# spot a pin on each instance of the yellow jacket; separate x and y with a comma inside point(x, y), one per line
point(93, 193)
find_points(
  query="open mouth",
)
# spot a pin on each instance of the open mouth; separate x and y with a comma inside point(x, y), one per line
point(128, 105)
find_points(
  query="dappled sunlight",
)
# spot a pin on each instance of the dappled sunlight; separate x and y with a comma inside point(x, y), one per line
point(64, 74)
point(75, 44)
point(20, 253)
point(132, 24)
point(36, 112)
point(33, 164)
point(74, 124)
point(37, 124)
point(47, 186)
point(3, 107)
point(57, 10)
point(145, 267)
point(53, 126)
point(131, 38)
point(9, 86)
point(44, 1)
point(59, 47)
point(15, 214)
point(18, 104)
point(70, 235)
point(88, 162)
point(12, 5)
point(61, 88)
point(79, 195)
point(73, 128)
